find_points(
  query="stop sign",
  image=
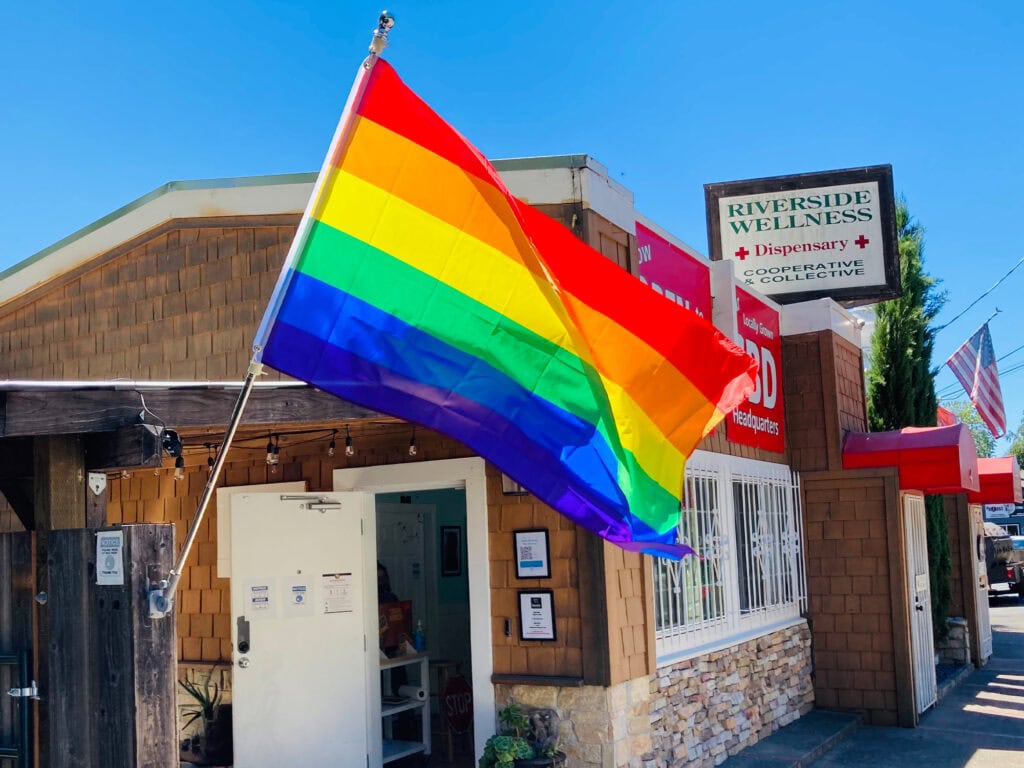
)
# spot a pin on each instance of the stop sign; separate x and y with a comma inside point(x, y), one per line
point(457, 704)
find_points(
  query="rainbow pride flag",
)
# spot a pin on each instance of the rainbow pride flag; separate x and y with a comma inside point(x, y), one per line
point(418, 286)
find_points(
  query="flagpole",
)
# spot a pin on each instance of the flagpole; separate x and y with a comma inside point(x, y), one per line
point(161, 597)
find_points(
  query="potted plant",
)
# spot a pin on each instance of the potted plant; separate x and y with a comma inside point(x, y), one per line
point(212, 745)
point(509, 744)
point(526, 739)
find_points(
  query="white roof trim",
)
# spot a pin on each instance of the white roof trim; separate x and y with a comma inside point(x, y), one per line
point(178, 200)
point(821, 315)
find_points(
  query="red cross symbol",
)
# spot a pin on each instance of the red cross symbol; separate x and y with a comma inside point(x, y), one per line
point(742, 253)
point(861, 241)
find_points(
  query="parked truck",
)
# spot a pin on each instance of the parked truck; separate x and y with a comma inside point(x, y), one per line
point(1004, 558)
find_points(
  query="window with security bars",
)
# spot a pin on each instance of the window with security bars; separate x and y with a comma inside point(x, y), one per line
point(743, 519)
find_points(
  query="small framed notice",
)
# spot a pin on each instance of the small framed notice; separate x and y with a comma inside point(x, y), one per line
point(533, 554)
point(536, 615)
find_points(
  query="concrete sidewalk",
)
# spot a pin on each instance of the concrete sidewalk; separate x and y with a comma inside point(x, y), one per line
point(978, 723)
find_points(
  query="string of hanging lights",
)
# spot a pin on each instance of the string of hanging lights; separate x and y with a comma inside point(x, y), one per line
point(271, 445)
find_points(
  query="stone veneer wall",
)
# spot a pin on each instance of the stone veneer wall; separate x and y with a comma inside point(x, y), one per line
point(695, 712)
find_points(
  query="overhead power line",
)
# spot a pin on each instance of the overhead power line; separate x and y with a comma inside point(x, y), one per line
point(986, 293)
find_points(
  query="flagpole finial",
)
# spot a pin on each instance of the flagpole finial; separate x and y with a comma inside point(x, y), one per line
point(380, 34)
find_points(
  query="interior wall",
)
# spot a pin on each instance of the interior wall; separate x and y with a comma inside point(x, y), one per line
point(447, 616)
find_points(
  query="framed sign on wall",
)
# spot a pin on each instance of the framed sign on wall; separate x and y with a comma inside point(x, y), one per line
point(537, 614)
point(533, 554)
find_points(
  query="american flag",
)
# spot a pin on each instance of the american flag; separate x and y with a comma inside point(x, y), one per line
point(974, 365)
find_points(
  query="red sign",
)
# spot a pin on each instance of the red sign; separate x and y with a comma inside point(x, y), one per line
point(683, 277)
point(457, 701)
point(759, 422)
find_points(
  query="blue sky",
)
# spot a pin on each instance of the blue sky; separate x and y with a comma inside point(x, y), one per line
point(102, 102)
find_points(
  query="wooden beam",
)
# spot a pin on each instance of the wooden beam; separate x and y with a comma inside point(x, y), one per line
point(62, 412)
point(125, 448)
point(595, 647)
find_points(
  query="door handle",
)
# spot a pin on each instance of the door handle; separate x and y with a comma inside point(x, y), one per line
point(243, 635)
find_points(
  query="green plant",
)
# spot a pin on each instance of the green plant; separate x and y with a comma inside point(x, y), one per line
point(205, 699)
point(504, 748)
point(514, 721)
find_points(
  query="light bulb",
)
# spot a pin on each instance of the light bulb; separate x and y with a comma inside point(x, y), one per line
point(179, 468)
point(331, 447)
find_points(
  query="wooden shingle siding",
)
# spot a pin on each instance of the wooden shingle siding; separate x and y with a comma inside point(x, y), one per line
point(179, 305)
point(850, 582)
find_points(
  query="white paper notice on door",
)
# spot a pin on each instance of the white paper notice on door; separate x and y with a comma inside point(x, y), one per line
point(338, 594)
point(298, 598)
point(259, 598)
point(110, 557)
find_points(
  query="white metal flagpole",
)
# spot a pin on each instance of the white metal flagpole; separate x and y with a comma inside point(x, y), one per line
point(161, 597)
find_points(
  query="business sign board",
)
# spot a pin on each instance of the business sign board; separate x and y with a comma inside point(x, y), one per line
point(674, 272)
point(809, 236)
point(759, 422)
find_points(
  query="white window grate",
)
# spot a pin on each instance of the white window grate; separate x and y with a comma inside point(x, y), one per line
point(743, 518)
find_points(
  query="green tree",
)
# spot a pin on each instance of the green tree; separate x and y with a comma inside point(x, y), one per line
point(983, 440)
point(1017, 446)
point(901, 388)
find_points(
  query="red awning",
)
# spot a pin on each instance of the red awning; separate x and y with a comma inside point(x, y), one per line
point(999, 480)
point(929, 459)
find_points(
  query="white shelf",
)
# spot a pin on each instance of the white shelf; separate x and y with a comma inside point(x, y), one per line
point(387, 710)
point(394, 749)
point(401, 661)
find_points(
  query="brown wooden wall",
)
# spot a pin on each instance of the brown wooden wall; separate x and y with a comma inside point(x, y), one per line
point(562, 657)
point(182, 303)
point(854, 542)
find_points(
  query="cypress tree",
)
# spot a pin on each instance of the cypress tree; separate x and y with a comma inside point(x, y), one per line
point(901, 388)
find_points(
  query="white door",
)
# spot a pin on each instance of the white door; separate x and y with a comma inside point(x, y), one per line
point(299, 586)
point(922, 646)
point(984, 628)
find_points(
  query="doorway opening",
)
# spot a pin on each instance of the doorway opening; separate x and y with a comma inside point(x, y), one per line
point(430, 534)
point(423, 585)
